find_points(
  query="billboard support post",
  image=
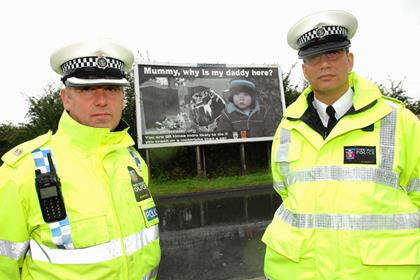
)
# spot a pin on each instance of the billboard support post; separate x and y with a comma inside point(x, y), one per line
point(242, 155)
point(203, 155)
point(198, 161)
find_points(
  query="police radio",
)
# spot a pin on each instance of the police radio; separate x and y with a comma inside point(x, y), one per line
point(50, 198)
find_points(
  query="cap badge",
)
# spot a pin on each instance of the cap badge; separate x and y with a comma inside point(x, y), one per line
point(321, 32)
point(101, 62)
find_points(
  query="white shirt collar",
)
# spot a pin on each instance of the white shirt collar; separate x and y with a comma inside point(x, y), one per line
point(341, 106)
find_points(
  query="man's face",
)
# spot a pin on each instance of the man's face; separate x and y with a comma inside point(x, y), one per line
point(94, 106)
point(242, 100)
point(327, 73)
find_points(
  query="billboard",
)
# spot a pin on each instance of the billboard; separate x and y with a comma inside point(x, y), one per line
point(198, 104)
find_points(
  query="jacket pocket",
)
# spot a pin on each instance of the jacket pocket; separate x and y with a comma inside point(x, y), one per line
point(85, 232)
point(390, 250)
point(283, 240)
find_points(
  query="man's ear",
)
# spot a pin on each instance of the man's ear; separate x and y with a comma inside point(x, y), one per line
point(124, 103)
point(304, 70)
point(350, 59)
point(65, 98)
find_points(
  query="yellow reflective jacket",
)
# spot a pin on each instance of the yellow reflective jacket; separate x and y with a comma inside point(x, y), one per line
point(350, 201)
point(111, 234)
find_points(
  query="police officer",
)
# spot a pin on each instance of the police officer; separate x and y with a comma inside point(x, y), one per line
point(75, 204)
point(347, 167)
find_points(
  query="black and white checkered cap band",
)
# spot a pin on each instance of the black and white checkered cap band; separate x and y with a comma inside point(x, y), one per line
point(83, 62)
point(321, 32)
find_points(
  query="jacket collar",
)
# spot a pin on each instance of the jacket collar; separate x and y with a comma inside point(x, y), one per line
point(341, 106)
point(367, 98)
point(87, 137)
point(365, 93)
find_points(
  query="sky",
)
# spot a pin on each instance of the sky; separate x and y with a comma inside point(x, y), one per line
point(386, 44)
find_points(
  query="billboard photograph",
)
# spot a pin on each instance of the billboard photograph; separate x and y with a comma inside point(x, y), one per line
point(199, 104)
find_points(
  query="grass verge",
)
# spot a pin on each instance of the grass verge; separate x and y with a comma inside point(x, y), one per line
point(205, 184)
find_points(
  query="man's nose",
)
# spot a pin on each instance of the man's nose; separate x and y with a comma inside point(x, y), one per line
point(324, 60)
point(100, 96)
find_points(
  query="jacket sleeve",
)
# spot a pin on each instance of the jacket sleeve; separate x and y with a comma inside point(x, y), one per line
point(145, 170)
point(410, 155)
point(276, 156)
point(14, 236)
point(224, 123)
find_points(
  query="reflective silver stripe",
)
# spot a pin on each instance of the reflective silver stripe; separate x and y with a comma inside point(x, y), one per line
point(383, 175)
point(283, 151)
point(13, 250)
point(414, 185)
point(94, 254)
point(350, 221)
point(278, 185)
point(284, 136)
point(140, 239)
point(387, 138)
point(343, 173)
point(151, 274)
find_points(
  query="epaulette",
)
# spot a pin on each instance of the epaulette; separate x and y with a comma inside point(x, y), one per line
point(394, 100)
point(17, 153)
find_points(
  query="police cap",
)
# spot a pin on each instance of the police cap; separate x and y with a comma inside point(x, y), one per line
point(93, 62)
point(322, 32)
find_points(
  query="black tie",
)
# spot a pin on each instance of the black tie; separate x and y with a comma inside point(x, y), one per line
point(332, 120)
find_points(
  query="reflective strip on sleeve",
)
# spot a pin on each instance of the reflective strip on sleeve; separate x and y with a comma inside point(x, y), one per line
point(414, 185)
point(136, 241)
point(350, 221)
point(282, 155)
point(387, 138)
point(283, 151)
point(94, 254)
point(13, 250)
point(151, 274)
point(278, 185)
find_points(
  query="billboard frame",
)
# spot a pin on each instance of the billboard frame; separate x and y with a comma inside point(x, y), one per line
point(140, 117)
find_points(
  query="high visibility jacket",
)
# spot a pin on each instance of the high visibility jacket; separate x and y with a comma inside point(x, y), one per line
point(350, 201)
point(110, 233)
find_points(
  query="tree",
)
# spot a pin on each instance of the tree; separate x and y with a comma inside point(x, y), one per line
point(11, 135)
point(291, 91)
point(43, 114)
point(45, 111)
point(397, 91)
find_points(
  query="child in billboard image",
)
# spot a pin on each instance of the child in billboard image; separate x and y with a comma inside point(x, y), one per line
point(244, 113)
